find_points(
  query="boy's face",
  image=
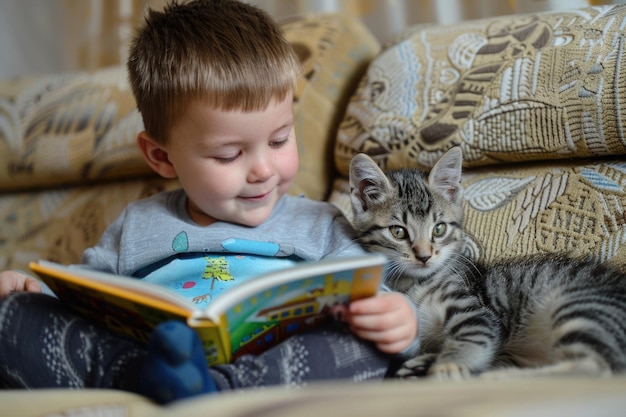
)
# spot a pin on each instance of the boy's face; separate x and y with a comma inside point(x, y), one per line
point(234, 166)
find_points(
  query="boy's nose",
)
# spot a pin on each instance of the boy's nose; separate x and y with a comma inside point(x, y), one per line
point(261, 170)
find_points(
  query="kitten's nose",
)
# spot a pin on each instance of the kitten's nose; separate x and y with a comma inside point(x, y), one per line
point(422, 250)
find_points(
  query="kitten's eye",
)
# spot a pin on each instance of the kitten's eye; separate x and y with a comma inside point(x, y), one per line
point(398, 232)
point(439, 229)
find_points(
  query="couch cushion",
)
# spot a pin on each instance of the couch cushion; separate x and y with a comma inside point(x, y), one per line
point(507, 89)
point(559, 206)
point(60, 223)
point(81, 127)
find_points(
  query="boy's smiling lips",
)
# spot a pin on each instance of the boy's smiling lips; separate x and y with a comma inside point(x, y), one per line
point(256, 198)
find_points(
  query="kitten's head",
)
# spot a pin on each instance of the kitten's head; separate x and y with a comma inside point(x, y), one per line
point(415, 222)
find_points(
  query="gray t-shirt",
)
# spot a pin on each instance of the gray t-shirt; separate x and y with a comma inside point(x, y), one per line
point(151, 232)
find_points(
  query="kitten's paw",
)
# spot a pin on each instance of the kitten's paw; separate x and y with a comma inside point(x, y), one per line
point(449, 371)
point(417, 366)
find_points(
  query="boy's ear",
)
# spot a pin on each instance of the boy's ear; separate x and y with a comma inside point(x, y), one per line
point(155, 155)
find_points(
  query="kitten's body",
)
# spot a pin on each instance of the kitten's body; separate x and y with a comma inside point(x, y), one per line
point(545, 314)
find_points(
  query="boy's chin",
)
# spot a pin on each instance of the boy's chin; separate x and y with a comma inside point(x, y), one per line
point(253, 219)
point(250, 223)
point(255, 216)
point(248, 218)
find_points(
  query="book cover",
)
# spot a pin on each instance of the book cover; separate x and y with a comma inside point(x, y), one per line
point(248, 318)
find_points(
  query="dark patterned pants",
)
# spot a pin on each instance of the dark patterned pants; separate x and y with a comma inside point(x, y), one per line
point(43, 344)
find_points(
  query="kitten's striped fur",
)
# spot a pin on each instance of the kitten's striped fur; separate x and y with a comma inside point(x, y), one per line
point(539, 315)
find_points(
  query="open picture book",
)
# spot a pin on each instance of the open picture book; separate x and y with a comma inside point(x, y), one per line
point(247, 318)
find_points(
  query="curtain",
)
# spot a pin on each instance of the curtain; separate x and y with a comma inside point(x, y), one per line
point(387, 18)
point(66, 35)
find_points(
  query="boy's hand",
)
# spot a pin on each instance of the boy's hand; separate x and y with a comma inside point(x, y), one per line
point(11, 281)
point(387, 319)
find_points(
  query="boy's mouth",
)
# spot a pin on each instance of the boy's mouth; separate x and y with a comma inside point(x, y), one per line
point(256, 198)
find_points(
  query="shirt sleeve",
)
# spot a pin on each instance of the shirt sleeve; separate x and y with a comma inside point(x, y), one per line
point(104, 256)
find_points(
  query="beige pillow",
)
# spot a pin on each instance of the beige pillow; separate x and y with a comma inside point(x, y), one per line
point(334, 50)
point(68, 128)
point(506, 89)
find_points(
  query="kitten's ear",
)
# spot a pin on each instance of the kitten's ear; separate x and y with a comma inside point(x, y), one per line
point(368, 183)
point(446, 175)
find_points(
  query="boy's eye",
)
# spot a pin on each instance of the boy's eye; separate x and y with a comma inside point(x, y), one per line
point(398, 232)
point(279, 143)
point(226, 159)
point(439, 229)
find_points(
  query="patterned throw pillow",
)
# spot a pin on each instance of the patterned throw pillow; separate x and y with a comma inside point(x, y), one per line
point(66, 128)
point(507, 89)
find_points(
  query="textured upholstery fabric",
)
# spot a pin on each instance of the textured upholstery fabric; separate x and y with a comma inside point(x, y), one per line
point(68, 128)
point(511, 89)
point(334, 51)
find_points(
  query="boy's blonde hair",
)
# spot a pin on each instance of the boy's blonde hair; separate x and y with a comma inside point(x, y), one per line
point(227, 54)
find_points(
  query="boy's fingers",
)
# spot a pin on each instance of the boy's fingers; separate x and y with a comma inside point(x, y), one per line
point(32, 286)
point(378, 333)
point(389, 342)
point(14, 281)
point(9, 283)
point(372, 305)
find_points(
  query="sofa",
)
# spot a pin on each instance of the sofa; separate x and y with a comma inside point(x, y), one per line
point(536, 102)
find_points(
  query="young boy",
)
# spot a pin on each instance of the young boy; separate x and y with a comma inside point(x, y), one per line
point(213, 80)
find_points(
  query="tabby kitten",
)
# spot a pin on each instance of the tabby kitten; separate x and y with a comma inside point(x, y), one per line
point(537, 315)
